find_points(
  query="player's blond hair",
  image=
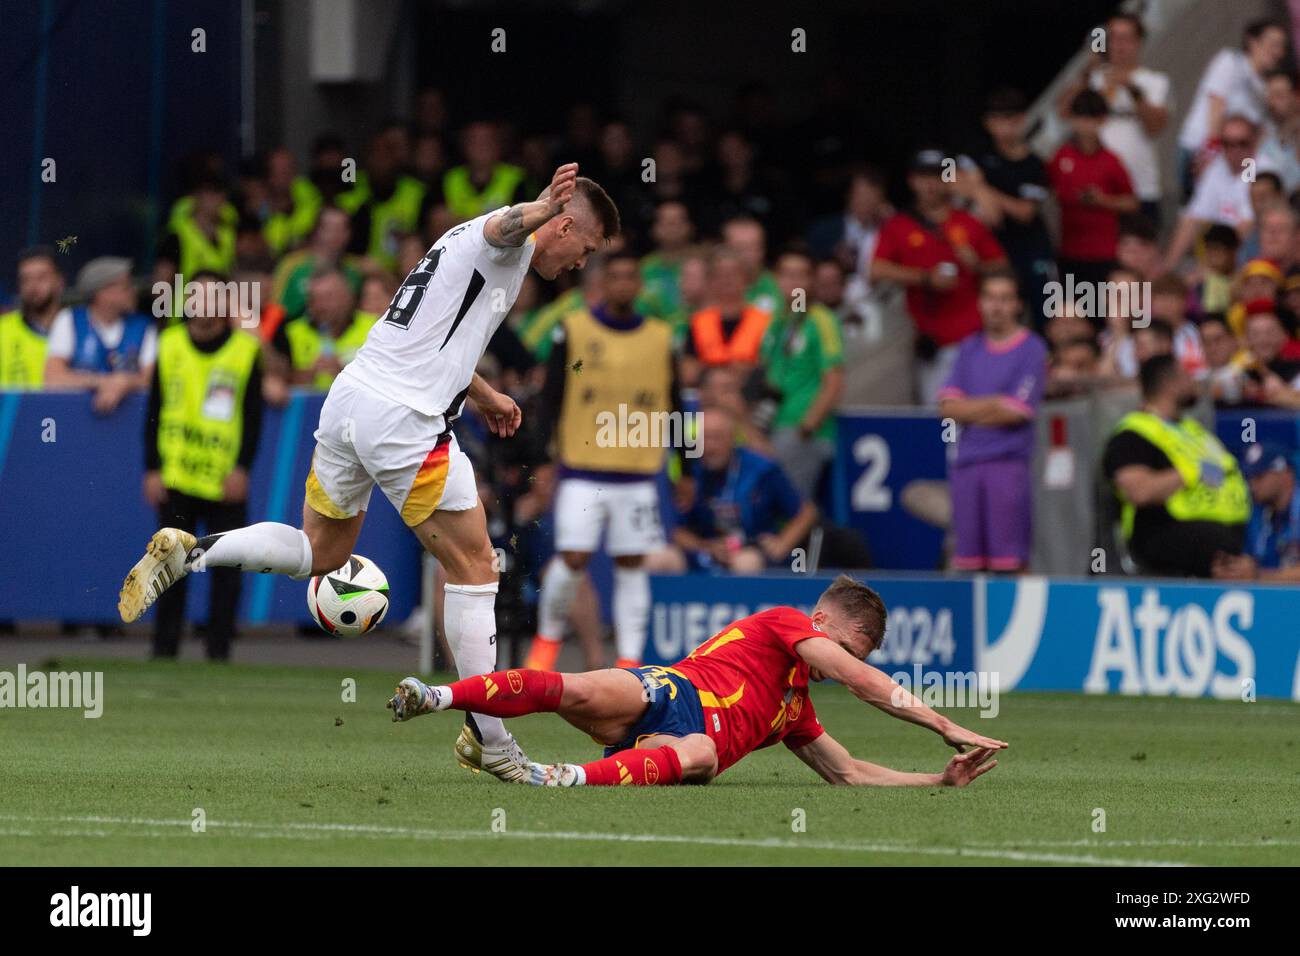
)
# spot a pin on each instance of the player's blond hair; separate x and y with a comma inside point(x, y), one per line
point(861, 604)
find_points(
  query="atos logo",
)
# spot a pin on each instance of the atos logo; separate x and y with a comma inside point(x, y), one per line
point(1188, 650)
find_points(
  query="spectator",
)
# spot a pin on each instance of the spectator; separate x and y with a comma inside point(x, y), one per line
point(483, 182)
point(292, 203)
point(1259, 281)
point(104, 345)
point(850, 235)
point(672, 233)
point(1182, 497)
point(328, 154)
point(1075, 367)
point(24, 332)
point(993, 392)
point(1008, 185)
point(1225, 360)
point(385, 203)
point(745, 516)
point(1279, 146)
point(748, 239)
point(1138, 248)
point(1212, 279)
point(201, 233)
point(1093, 190)
point(937, 254)
point(200, 436)
point(736, 190)
point(377, 292)
point(1136, 98)
point(1274, 237)
point(327, 250)
point(730, 331)
point(1169, 305)
point(313, 348)
point(1222, 193)
point(1273, 535)
point(1273, 375)
point(1232, 84)
point(804, 358)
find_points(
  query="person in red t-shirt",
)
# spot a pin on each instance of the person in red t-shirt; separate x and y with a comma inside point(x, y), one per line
point(1093, 190)
point(744, 689)
point(937, 253)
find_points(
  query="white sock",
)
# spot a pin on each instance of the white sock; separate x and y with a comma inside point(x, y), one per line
point(631, 608)
point(267, 547)
point(559, 583)
point(470, 620)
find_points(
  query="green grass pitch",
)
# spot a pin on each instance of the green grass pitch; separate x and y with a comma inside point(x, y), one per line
point(261, 751)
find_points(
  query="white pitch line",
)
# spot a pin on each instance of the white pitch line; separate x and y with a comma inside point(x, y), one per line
point(294, 830)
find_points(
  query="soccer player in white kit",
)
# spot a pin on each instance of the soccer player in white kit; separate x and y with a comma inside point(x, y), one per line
point(387, 421)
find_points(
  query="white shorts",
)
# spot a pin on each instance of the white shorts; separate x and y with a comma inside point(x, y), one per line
point(365, 440)
point(629, 510)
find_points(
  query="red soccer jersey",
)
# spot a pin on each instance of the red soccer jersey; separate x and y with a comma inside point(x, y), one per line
point(1087, 232)
point(953, 314)
point(753, 687)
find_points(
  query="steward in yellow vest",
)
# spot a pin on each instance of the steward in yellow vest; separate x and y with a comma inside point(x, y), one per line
point(1182, 495)
point(382, 211)
point(201, 433)
point(309, 343)
point(466, 199)
point(24, 332)
point(201, 235)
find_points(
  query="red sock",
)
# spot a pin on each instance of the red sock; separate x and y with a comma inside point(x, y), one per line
point(509, 693)
point(642, 767)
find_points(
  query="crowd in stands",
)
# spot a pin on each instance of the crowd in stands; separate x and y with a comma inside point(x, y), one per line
point(779, 270)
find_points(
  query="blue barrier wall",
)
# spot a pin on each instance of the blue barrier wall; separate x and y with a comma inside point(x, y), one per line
point(73, 521)
point(1111, 635)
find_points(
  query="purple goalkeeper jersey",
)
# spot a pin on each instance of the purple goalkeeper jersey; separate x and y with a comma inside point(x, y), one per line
point(1016, 369)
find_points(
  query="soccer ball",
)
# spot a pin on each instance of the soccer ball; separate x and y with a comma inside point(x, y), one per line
point(351, 601)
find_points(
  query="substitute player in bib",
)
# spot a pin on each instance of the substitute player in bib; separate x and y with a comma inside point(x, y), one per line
point(610, 369)
point(743, 689)
point(387, 421)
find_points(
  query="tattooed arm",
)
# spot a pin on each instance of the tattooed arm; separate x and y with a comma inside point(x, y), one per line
point(512, 227)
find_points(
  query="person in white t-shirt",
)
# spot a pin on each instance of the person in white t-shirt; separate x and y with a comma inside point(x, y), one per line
point(1279, 145)
point(1232, 84)
point(104, 345)
point(1223, 192)
point(387, 421)
point(1138, 98)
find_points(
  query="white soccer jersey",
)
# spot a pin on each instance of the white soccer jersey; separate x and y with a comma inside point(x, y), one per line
point(424, 349)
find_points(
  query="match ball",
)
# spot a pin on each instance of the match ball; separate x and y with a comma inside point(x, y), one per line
point(351, 601)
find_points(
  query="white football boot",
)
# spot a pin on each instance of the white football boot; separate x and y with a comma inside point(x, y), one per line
point(162, 566)
point(412, 697)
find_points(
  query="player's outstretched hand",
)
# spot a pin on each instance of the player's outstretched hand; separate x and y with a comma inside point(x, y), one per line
point(963, 768)
point(961, 738)
point(562, 186)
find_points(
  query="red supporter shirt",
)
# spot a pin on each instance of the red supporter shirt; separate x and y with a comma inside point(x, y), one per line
point(1087, 232)
point(753, 687)
point(949, 316)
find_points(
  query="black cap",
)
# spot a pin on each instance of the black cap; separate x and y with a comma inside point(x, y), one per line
point(929, 159)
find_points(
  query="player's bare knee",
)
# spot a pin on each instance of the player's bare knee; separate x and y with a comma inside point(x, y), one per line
point(575, 560)
point(698, 756)
point(328, 552)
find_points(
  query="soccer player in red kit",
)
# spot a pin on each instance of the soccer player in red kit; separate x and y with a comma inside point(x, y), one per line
point(743, 689)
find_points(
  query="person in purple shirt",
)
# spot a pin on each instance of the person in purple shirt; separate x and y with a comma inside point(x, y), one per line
point(993, 393)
